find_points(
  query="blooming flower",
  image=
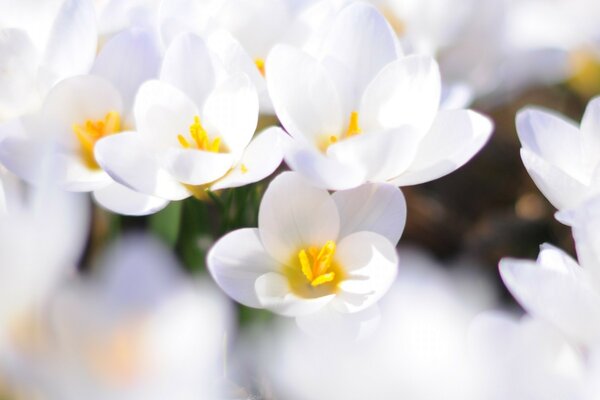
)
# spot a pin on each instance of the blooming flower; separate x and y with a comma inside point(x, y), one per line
point(41, 43)
point(76, 114)
point(194, 130)
point(362, 112)
point(314, 255)
point(561, 158)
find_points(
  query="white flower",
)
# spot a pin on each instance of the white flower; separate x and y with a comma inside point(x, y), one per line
point(41, 43)
point(362, 112)
point(194, 130)
point(561, 157)
point(314, 256)
point(77, 112)
point(555, 288)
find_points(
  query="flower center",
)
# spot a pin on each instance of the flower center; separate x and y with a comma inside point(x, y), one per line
point(314, 272)
point(200, 139)
point(352, 129)
point(91, 131)
point(585, 67)
point(260, 65)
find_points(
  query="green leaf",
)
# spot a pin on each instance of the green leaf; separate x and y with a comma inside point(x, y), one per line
point(166, 223)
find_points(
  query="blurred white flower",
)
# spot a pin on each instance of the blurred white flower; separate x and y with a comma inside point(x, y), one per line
point(194, 130)
point(136, 329)
point(561, 157)
point(324, 259)
point(115, 16)
point(362, 112)
point(76, 114)
point(524, 359)
point(417, 352)
point(41, 43)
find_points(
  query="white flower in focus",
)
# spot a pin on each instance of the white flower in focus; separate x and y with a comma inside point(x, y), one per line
point(324, 259)
point(76, 114)
point(561, 157)
point(363, 112)
point(137, 328)
point(195, 130)
point(41, 43)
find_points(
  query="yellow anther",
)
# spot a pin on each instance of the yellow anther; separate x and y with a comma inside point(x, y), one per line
point(353, 128)
point(91, 131)
point(315, 263)
point(244, 168)
point(260, 65)
point(200, 138)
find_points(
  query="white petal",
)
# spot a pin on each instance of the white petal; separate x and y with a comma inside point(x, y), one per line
point(328, 323)
point(293, 215)
point(162, 112)
point(73, 175)
point(373, 207)
point(560, 188)
point(362, 41)
point(187, 65)
point(128, 60)
point(231, 111)
point(120, 199)
point(553, 138)
point(383, 155)
point(236, 261)
point(21, 153)
point(590, 134)
point(322, 171)
point(405, 92)
point(304, 97)
point(78, 99)
point(129, 160)
point(555, 289)
point(273, 292)
point(197, 167)
point(71, 45)
point(261, 158)
point(455, 137)
point(585, 220)
point(371, 264)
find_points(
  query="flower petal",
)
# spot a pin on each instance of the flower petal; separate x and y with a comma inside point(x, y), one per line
point(262, 156)
point(332, 324)
point(405, 92)
point(231, 111)
point(120, 199)
point(560, 188)
point(590, 134)
point(273, 292)
point(236, 261)
point(127, 60)
point(455, 137)
point(371, 264)
point(304, 97)
point(555, 289)
point(197, 167)
point(187, 65)
point(293, 214)
point(322, 171)
point(129, 161)
point(73, 175)
point(373, 207)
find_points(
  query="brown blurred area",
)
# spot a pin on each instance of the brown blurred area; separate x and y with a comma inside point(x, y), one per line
point(491, 208)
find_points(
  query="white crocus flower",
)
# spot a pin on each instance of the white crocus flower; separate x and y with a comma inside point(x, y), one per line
point(41, 43)
point(558, 289)
point(314, 256)
point(194, 130)
point(362, 112)
point(561, 157)
point(79, 111)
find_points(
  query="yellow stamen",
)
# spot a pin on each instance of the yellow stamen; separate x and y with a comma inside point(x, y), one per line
point(316, 268)
point(585, 67)
point(353, 128)
point(244, 168)
point(91, 131)
point(200, 138)
point(260, 65)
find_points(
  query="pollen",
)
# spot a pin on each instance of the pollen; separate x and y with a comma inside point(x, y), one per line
point(91, 131)
point(199, 138)
point(260, 65)
point(243, 168)
point(316, 264)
